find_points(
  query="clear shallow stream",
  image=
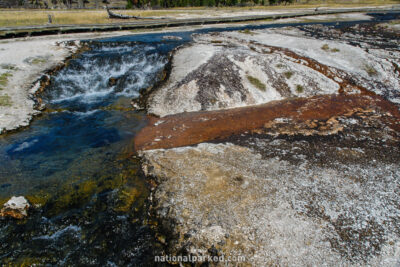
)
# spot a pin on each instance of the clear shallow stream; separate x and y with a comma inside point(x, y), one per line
point(75, 160)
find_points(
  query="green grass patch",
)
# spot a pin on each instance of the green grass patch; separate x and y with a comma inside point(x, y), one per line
point(299, 89)
point(5, 100)
point(257, 83)
point(279, 66)
point(288, 74)
point(247, 31)
point(4, 79)
point(37, 61)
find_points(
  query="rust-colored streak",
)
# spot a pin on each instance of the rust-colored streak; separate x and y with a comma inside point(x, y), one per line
point(196, 127)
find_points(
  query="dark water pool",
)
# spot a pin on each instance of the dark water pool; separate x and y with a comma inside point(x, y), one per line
point(75, 161)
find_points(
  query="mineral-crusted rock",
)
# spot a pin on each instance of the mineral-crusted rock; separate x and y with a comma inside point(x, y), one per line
point(16, 207)
point(23, 62)
point(282, 184)
point(282, 202)
point(233, 69)
point(222, 78)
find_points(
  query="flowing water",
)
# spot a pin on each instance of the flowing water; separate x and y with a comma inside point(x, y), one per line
point(75, 164)
point(76, 161)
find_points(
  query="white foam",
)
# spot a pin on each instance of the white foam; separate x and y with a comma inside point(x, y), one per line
point(89, 83)
point(56, 235)
point(25, 145)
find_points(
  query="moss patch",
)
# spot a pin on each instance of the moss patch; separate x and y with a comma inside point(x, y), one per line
point(4, 79)
point(288, 74)
point(299, 89)
point(326, 48)
point(257, 83)
point(37, 61)
point(5, 100)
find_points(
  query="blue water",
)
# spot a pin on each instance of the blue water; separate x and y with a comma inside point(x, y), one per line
point(75, 161)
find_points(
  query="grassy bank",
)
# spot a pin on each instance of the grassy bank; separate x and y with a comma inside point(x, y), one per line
point(23, 17)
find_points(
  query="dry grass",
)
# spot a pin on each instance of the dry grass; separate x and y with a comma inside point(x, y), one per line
point(39, 17)
point(23, 17)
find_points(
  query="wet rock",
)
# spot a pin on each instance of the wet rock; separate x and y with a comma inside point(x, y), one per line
point(16, 207)
point(170, 37)
point(112, 81)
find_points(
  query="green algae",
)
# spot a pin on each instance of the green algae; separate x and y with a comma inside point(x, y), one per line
point(326, 48)
point(288, 74)
point(257, 83)
point(4, 79)
point(247, 31)
point(37, 61)
point(299, 89)
point(127, 184)
point(5, 101)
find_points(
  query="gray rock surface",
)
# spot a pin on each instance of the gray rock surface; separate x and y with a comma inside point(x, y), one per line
point(285, 201)
point(285, 195)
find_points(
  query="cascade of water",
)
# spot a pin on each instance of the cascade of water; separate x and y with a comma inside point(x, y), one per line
point(104, 73)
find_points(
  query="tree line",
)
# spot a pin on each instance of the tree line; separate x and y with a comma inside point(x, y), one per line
point(145, 4)
point(200, 3)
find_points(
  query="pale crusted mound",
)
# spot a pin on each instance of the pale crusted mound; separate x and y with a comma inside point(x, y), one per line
point(22, 62)
point(234, 69)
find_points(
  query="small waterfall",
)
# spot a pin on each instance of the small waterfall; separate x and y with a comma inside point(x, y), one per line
point(107, 71)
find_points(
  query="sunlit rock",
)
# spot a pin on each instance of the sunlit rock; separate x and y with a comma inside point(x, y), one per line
point(16, 207)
